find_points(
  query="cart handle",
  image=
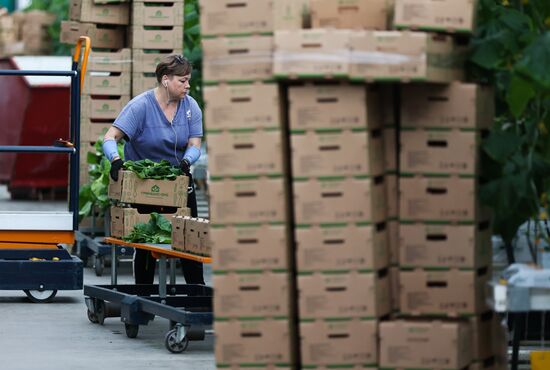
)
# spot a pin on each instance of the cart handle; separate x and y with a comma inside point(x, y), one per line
point(76, 58)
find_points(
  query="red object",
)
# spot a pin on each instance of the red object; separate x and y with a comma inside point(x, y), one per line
point(34, 112)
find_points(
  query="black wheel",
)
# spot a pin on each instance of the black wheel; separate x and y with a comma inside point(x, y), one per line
point(92, 317)
point(172, 344)
point(99, 265)
point(40, 296)
point(131, 330)
point(100, 311)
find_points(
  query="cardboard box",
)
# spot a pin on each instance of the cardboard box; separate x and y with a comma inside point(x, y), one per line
point(142, 82)
point(425, 344)
point(311, 53)
point(393, 275)
point(389, 94)
point(334, 106)
point(431, 15)
point(191, 235)
point(147, 60)
point(439, 199)
point(444, 292)
point(393, 240)
point(488, 364)
point(109, 37)
point(346, 295)
point(123, 220)
point(247, 152)
point(392, 195)
point(242, 106)
point(91, 131)
point(154, 14)
point(349, 14)
point(483, 335)
point(341, 153)
point(291, 15)
point(457, 105)
point(252, 342)
point(390, 149)
point(37, 17)
point(107, 61)
point(257, 247)
point(131, 189)
point(107, 83)
point(461, 246)
point(226, 17)
point(407, 56)
point(348, 247)
point(319, 201)
point(235, 201)
point(158, 39)
point(88, 11)
point(102, 107)
point(237, 59)
point(353, 342)
point(436, 152)
point(241, 295)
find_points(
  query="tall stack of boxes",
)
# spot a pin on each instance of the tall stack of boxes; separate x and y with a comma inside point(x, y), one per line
point(25, 33)
point(248, 190)
point(156, 31)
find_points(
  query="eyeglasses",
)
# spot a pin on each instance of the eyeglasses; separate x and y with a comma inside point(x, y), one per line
point(180, 59)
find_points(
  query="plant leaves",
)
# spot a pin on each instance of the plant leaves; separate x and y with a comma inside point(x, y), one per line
point(535, 61)
point(520, 93)
point(501, 145)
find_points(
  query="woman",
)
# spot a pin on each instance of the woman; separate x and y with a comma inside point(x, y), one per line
point(162, 123)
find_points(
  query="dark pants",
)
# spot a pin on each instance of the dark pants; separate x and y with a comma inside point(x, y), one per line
point(144, 263)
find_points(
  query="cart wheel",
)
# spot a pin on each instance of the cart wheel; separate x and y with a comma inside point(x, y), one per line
point(172, 344)
point(92, 317)
point(100, 311)
point(40, 296)
point(131, 330)
point(99, 265)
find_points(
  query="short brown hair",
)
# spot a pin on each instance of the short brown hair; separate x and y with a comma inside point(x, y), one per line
point(173, 65)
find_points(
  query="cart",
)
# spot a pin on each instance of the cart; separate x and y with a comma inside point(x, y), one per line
point(32, 257)
point(187, 306)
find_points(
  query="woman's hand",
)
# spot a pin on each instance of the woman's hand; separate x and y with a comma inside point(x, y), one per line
point(116, 165)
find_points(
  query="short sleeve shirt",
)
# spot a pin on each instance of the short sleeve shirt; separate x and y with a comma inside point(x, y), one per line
point(150, 134)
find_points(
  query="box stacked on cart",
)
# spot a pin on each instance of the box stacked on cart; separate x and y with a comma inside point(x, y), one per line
point(156, 31)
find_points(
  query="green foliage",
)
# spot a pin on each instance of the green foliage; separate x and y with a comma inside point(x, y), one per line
point(192, 48)
point(61, 9)
point(512, 52)
point(147, 169)
point(158, 231)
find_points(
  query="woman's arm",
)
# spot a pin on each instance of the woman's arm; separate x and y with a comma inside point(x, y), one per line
point(193, 151)
point(110, 140)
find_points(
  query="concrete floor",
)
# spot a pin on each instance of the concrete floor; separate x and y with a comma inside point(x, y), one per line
point(58, 335)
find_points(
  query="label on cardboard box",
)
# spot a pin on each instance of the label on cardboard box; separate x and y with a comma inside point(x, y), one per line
point(252, 342)
point(246, 152)
point(259, 247)
point(291, 14)
point(131, 189)
point(352, 342)
point(334, 107)
point(453, 292)
point(235, 201)
point(312, 52)
point(435, 151)
point(443, 15)
point(225, 17)
point(462, 246)
point(343, 295)
point(348, 247)
point(438, 199)
point(251, 295)
point(238, 58)
point(338, 200)
point(242, 106)
point(457, 105)
point(425, 344)
point(357, 152)
point(349, 14)
point(151, 14)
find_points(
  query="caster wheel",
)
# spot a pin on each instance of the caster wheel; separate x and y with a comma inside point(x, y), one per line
point(131, 330)
point(172, 344)
point(40, 296)
point(99, 265)
point(100, 311)
point(92, 317)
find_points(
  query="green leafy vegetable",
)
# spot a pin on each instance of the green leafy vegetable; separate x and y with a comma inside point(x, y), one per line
point(147, 169)
point(157, 231)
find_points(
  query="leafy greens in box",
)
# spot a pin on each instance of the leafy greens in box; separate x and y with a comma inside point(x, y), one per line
point(147, 169)
point(157, 231)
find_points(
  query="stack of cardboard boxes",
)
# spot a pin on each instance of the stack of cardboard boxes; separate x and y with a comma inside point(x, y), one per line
point(253, 297)
point(25, 33)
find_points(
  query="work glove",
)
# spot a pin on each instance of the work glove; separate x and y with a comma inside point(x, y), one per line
point(116, 165)
point(185, 167)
